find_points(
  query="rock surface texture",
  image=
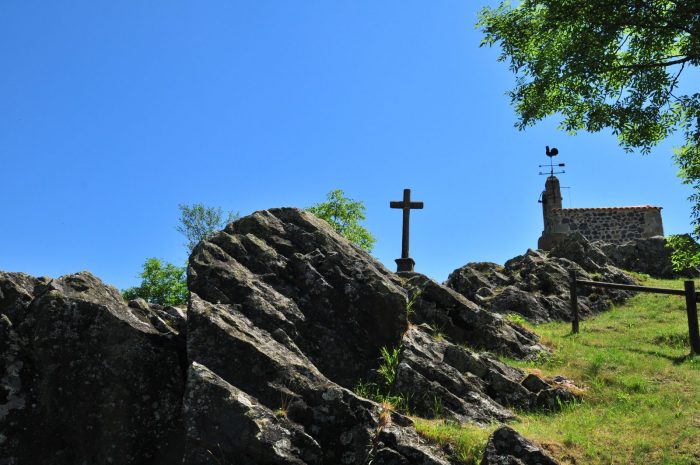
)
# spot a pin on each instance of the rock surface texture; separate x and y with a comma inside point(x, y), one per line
point(286, 322)
point(289, 317)
point(507, 447)
point(86, 378)
point(536, 284)
point(650, 256)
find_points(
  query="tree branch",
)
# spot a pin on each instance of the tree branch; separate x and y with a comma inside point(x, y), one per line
point(651, 65)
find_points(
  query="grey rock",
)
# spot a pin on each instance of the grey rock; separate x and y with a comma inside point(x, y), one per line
point(225, 425)
point(650, 256)
point(554, 398)
point(514, 300)
point(507, 447)
point(464, 322)
point(473, 277)
point(578, 249)
point(285, 319)
point(87, 377)
point(536, 284)
point(439, 389)
point(534, 383)
point(286, 269)
point(291, 314)
point(446, 380)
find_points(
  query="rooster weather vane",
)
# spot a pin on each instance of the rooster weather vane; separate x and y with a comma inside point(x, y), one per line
point(551, 154)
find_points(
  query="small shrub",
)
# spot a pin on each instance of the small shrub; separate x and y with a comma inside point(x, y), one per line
point(389, 365)
point(517, 319)
point(412, 301)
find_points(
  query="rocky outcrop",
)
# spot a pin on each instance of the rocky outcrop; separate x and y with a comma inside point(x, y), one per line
point(86, 378)
point(536, 284)
point(285, 322)
point(288, 318)
point(507, 447)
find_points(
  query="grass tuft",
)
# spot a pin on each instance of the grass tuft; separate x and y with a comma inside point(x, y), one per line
point(467, 441)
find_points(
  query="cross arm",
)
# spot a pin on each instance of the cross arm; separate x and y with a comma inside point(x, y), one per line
point(411, 205)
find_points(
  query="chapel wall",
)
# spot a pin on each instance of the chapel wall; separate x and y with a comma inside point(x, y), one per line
point(613, 225)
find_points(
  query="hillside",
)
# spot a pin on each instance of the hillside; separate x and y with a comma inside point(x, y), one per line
point(640, 389)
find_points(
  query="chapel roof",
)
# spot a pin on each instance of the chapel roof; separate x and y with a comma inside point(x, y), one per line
point(610, 209)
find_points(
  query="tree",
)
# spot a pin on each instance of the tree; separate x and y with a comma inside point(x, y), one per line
point(198, 222)
point(602, 64)
point(163, 284)
point(344, 215)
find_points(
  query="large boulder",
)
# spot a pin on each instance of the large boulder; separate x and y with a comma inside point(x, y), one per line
point(86, 378)
point(291, 275)
point(288, 317)
point(243, 430)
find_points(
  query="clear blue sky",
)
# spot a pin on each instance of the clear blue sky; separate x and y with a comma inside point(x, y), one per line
point(113, 113)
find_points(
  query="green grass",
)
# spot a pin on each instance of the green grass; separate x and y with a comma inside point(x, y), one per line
point(641, 390)
point(468, 441)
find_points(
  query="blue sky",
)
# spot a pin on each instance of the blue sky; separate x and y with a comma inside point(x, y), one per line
point(113, 113)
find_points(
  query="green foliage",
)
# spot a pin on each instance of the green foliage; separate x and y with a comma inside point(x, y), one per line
point(516, 318)
point(412, 301)
point(380, 394)
point(383, 391)
point(389, 365)
point(468, 441)
point(600, 65)
point(344, 215)
point(163, 284)
point(197, 222)
point(686, 252)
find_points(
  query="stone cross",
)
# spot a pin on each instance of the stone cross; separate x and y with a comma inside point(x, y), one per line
point(405, 263)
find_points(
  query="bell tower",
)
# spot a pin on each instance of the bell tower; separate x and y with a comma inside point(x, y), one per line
point(550, 200)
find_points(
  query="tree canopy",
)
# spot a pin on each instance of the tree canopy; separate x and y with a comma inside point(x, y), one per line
point(345, 214)
point(197, 222)
point(601, 64)
point(161, 283)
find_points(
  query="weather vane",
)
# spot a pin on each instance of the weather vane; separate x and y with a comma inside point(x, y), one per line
point(551, 154)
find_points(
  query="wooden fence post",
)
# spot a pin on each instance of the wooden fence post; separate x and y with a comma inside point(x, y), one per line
point(691, 306)
point(574, 301)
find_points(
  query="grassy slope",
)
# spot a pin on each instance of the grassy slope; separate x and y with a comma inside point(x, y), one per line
point(642, 392)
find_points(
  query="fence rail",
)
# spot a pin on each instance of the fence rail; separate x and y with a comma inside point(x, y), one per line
point(691, 303)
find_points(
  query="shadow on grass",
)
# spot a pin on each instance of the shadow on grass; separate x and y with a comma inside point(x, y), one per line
point(676, 360)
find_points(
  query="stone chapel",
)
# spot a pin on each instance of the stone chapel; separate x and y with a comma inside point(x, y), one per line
point(614, 225)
